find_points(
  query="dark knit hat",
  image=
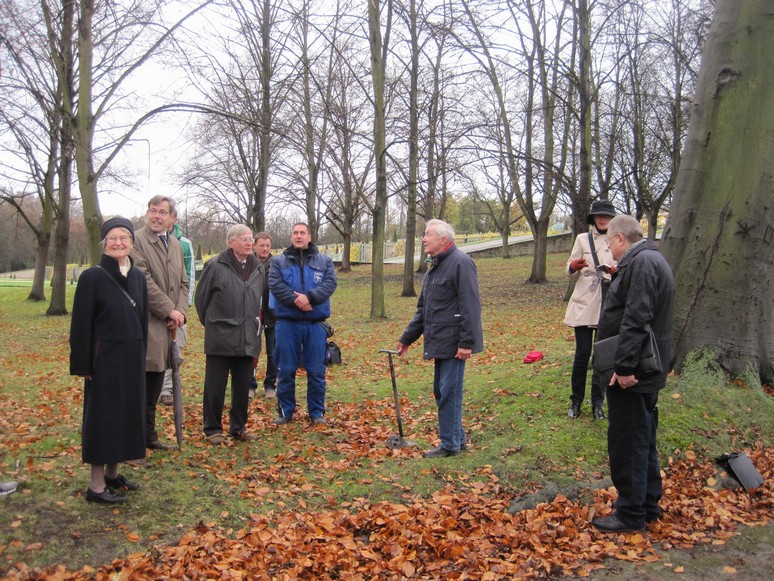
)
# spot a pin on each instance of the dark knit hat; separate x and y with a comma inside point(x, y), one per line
point(117, 222)
point(600, 208)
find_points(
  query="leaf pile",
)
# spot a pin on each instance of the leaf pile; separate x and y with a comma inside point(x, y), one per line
point(463, 531)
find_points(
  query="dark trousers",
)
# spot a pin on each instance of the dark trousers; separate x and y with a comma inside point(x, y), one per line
point(270, 378)
point(631, 445)
point(216, 372)
point(154, 380)
point(584, 341)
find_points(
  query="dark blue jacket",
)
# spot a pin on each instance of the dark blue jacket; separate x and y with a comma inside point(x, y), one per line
point(449, 307)
point(641, 294)
point(305, 271)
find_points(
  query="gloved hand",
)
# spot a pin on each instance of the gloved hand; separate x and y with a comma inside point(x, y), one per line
point(577, 264)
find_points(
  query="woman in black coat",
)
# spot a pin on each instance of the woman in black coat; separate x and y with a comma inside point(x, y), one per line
point(108, 338)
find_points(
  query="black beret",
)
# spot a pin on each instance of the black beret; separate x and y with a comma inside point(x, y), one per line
point(117, 222)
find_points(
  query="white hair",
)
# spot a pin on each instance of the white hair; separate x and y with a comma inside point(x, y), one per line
point(442, 229)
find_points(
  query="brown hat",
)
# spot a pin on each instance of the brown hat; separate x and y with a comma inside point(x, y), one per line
point(117, 222)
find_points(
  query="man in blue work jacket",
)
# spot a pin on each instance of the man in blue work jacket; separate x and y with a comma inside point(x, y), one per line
point(301, 282)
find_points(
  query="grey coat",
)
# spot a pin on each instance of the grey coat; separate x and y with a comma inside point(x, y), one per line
point(228, 307)
point(449, 308)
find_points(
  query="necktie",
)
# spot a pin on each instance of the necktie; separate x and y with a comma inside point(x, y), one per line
point(164, 240)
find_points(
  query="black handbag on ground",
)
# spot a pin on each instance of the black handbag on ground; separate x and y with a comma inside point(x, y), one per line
point(332, 354)
point(650, 359)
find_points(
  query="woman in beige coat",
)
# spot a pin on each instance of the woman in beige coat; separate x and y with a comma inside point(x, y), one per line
point(586, 303)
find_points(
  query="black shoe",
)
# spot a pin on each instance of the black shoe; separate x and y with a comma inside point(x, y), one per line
point(597, 413)
point(107, 496)
point(121, 482)
point(439, 452)
point(574, 412)
point(157, 445)
point(611, 524)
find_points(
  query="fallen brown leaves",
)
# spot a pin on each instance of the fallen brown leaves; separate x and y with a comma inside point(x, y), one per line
point(462, 532)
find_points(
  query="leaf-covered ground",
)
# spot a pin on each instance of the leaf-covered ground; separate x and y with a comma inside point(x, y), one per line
point(333, 502)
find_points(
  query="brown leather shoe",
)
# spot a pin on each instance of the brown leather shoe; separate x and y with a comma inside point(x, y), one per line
point(244, 436)
point(157, 445)
point(215, 439)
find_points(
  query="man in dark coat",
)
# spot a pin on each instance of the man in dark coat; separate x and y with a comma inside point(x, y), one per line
point(228, 301)
point(640, 297)
point(449, 315)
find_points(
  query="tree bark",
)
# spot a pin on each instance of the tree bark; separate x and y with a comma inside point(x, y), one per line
point(66, 82)
point(411, 202)
point(378, 309)
point(83, 122)
point(719, 238)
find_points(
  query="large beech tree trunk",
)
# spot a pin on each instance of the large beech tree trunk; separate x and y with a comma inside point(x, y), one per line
point(719, 238)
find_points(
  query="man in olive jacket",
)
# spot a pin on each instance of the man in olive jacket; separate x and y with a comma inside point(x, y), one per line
point(228, 303)
point(160, 257)
point(640, 297)
point(449, 315)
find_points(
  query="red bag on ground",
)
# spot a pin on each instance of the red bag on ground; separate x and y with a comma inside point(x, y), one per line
point(533, 356)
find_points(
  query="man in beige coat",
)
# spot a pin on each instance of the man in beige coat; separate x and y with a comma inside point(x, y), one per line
point(160, 257)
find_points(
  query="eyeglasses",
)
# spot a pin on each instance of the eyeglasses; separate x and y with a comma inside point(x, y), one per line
point(155, 212)
point(121, 239)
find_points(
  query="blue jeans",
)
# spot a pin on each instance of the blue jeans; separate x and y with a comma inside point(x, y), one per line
point(447, 389)
point(631, 445)
point(300, 343)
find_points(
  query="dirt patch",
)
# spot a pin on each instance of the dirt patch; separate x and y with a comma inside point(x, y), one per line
point(748, 556)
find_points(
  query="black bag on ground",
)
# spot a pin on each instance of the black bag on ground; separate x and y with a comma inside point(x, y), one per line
point(742, 469)
point(650, 359)
point(332, 354)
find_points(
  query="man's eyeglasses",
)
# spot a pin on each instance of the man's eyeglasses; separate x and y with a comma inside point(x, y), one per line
point(155, 212)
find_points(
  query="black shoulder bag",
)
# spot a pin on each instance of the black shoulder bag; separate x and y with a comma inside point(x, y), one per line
point(602, 281)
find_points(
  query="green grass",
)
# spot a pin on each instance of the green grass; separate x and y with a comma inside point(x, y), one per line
point(514, 413)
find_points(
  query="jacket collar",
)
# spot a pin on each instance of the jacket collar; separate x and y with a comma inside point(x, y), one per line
point(300, 253)
point(444, 253)
point(635, 249)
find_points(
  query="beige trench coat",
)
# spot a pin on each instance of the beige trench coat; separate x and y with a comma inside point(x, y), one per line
point(586, 301)
point(167, 291)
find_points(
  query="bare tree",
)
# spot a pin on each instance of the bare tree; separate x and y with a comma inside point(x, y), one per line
point(350, 153)
point(31, 112)
point(110, 49)
point(379, 208)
